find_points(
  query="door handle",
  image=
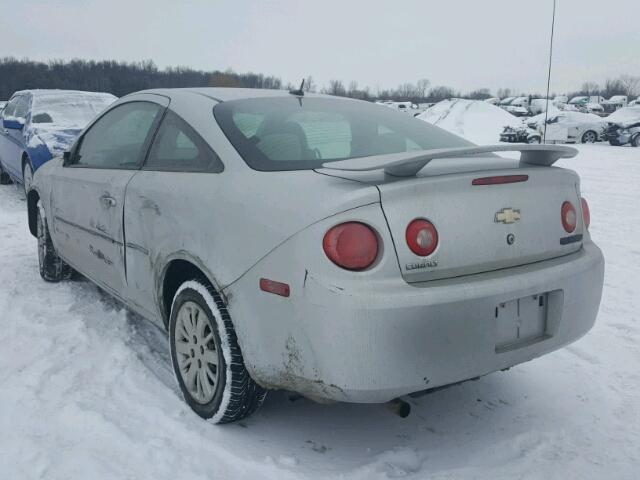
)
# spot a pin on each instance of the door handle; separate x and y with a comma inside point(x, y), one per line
point(108, 201)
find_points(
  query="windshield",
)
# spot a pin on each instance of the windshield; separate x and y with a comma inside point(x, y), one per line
point(68, 110)
point(291, 133)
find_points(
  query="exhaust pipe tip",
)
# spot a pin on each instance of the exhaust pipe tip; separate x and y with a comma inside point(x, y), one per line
point(399, 407)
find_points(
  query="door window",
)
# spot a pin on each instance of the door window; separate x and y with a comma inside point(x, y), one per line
point(118, 138)
point(177, 147)
point(17, 107)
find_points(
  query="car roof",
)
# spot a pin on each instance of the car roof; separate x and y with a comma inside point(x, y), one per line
point(225, 94)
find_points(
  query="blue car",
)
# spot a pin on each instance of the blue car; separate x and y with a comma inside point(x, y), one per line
point(38, 125)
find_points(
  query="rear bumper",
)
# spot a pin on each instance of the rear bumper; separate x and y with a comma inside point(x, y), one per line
point(399, 338)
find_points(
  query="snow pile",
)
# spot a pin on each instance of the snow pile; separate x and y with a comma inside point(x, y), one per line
point(87, 391)
point(477, 121)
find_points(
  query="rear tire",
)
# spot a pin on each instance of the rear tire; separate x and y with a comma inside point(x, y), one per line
point(52, 267)
point(635, 141)
point(206, 357)
point(534, 140)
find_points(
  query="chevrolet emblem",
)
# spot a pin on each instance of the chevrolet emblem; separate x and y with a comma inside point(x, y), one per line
point(507, 215)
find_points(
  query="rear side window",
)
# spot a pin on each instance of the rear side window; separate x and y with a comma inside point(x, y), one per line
point(290, 133)
point(118, 138)
point(177, 147)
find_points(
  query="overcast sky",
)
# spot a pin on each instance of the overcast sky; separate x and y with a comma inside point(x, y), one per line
point(464, 44)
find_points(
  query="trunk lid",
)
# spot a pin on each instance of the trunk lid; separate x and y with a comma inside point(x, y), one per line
point(474, 221)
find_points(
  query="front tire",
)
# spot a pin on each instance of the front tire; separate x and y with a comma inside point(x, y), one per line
point(206, 357)
point(52, 267)
point(535, 140)
point(635, 141)
point(589, 137)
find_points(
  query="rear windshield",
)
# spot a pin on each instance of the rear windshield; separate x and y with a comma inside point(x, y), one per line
point(73, 110)
point(288, 133)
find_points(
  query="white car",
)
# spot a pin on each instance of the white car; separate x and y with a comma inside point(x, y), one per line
point(570, 126)
point(305, 242)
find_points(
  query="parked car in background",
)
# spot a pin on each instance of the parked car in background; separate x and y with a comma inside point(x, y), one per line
point(40, 124)
point(614, 103)
point(518, 107)
point(539, 105)
point(305, 242)
point(623, 127)
point(523, 134)
point(635, 102)
point(493, 101)
point(570, 127)
point(594, 108)
point(560, 100)
point(506, 101)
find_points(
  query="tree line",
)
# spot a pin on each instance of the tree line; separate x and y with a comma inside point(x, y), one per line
point(118, 78)
point(122, 78)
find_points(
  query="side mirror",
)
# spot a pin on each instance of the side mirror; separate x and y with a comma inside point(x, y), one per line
point(13, 123)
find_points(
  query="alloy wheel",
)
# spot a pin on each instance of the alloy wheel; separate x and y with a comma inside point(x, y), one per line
point(198, 352)
point(589, 137)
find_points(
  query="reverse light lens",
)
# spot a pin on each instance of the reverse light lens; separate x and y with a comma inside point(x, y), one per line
point(422, 237)
point(568, 217)
point(586, 213)
point(351, 245)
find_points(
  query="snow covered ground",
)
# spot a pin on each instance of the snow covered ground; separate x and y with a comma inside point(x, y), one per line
point(86, 390)
point(478, 121)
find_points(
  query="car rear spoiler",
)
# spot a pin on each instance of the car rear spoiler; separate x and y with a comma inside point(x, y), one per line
point(408, 164)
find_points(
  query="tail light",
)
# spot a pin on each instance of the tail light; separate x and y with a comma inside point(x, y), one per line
point(568, 217)
point(586, 213)
point(351, 245)
point(422, 237)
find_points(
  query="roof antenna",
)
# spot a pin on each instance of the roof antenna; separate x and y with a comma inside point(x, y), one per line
point(299, 92)
point(546, 112)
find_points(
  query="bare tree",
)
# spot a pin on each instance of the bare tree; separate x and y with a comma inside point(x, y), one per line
point(503, 92)
point(336, 87)
point(441, 93)
point(590, 88)
point(631, 85)
point(613, 87)
point(309, 84)
point(423, 85)
point(480, 94)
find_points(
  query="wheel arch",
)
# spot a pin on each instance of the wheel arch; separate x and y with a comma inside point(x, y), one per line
point(177, 270)
point(25, 159)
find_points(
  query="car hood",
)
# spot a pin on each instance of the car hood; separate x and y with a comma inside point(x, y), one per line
point(625, 117)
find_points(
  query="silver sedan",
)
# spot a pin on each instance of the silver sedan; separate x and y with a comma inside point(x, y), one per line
point(327, 246)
